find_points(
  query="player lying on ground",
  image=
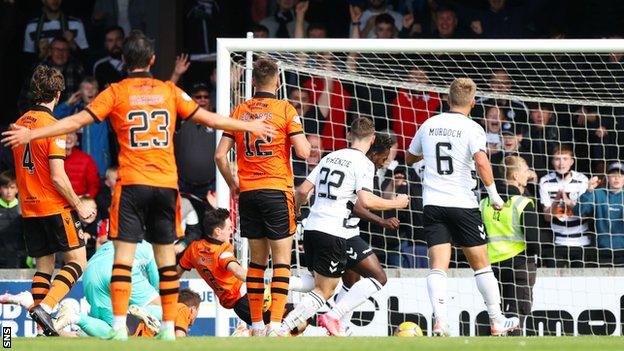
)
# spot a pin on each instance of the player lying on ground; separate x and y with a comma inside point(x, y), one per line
point(51, 209)
point(96, 281)
point(143, 112)
point(451, 143)
point(341, 177)
point(361, 261)
point(213, 258)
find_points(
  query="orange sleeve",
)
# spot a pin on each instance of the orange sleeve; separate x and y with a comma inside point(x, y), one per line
point(183, 319)
point(185, 261)
point(293, 121)
point(185, 106)
point(226, 257)
point(102, 105)
point(56, 147)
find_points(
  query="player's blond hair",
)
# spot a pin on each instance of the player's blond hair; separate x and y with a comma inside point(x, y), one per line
point(512, 165)
point(462, 92)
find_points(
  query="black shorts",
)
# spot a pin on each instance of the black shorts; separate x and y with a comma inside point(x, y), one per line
point(241, 308)
point(266, 214)
point(140, 212)
point(325, 254)
point(357, 250)
point(50, 234)
point(461, 226)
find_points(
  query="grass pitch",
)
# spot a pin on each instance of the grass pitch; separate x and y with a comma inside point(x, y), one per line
point(604, 343)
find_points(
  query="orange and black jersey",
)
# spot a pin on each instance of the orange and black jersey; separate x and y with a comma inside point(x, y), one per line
point(266, 165)
point(38, 195)
point(182, 323)
point(142, 112)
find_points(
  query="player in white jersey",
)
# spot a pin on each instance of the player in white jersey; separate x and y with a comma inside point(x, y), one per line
point(342, 177)
point(451, 144)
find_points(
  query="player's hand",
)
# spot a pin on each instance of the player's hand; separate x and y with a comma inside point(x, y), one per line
point(86, 212)
point(234, 191)
point(401, 200)
point(182, 64)
point(391, 223)
point(262, 130)
point(497, 202)
point(16, 135)
point(594, 183)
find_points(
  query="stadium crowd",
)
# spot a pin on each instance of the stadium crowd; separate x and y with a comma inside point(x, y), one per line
point(574, 151)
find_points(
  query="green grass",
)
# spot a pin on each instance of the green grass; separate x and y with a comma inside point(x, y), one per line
point(326, 344)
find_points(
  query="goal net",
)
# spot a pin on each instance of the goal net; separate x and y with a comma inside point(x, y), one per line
point(541, 100)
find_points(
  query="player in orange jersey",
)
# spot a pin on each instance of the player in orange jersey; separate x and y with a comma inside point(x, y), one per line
point(265, 185)
point(142, 111)
point(51, 209)
point(213, 258)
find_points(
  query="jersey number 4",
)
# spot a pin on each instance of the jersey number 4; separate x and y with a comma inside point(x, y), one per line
point(325, 173)
point(27, 161)
point(160, 117)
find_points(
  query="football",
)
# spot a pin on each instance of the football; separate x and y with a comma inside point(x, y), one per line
point(408, 329)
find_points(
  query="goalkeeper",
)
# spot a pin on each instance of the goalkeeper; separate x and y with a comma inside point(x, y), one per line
point(144, 298)
point(512, 232)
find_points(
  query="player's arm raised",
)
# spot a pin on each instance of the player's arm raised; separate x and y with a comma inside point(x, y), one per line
point(258, 127)
point(20, 135)
point(374, 202)
point(62, 184)
point(225, 145)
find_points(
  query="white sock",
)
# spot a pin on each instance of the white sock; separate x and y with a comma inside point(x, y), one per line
point(436, 286)
point(164, 325)
point(257, 325)
point(488, 287)
point(275, 325)
point(46, 308)
point(357, 295)
point(346, 319)
point(303, 283)
point(308, 306)
point(119, 322)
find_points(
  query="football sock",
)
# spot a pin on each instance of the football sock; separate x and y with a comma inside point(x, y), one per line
point(169, 286)
point(357, 295)
point(40, 286)
point(436, 286)
point(62, 283)
point(255, 292)
point(303, 283)
point(93, 326)
point(120, 288)
point(488, 287)
point(154, 310)
point(308, 306)
point(279, 291)
point(346, 319)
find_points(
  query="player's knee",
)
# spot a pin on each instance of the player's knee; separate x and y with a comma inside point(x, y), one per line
point(381, 277)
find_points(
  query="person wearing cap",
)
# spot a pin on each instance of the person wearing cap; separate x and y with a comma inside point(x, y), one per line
point(513, 239)
point(606, 207)
point(511, 142)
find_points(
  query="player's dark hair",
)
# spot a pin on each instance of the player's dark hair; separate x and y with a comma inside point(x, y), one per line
point(113, 29)
point(45, 83)
point(214, 219)
point(7, 177)
point(384, 18)
point(137, 50)
point(264, 69)
point(189, 297)
point(383, 142)
point(362, 127)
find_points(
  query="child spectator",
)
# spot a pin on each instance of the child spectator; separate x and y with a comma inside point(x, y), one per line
point(12, 247)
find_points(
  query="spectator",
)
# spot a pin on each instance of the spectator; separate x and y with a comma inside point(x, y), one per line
point(301, 168)
point(282, 23)
point(128, 14)
point(94, 137)
point(606, 207)
point(368, 22)
point(260, 31)
point(559, 192)
point(300, 100)
point(594, 139)
point(111, 69)
point(59, 58)
point(411, 108)
point(500, 21)
point(492, 125)
point(104, 197)
point(446, 24)
point(196, 170)
point(81, 169)
point(543, 135)
point(53, 23)
point(513, 233)
point(202, 24)
point(314, 30)
point(12, 246)
point(511, 146)
point(512, 110)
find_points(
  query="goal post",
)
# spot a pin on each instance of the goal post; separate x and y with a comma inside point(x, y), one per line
point(579, 83)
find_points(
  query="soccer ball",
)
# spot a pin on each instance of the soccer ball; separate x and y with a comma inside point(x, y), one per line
point(408, 329)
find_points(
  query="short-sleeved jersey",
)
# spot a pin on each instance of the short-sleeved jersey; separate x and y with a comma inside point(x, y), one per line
point(182, 323)
point(142, 112)
point(266, 165)
point(448, 142)
point(210, 257)
point(38, 196)
point(337, 179)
